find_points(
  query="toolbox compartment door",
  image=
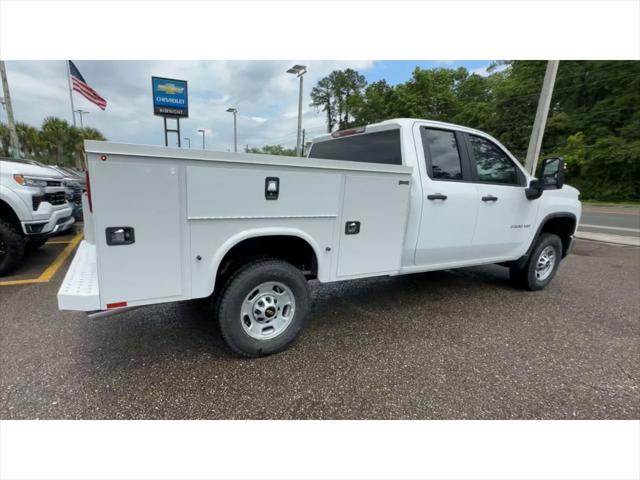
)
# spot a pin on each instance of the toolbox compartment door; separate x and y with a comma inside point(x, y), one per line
point(144, 195)
point(378, 203)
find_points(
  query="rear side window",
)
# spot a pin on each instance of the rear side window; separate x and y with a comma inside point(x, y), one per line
point(492, 164)
point(376, 147)
point(441, 149)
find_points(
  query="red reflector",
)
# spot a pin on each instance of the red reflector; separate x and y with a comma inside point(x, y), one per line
point(350, 131)
point(88, 185)
point(103, 157)
point(116, 304)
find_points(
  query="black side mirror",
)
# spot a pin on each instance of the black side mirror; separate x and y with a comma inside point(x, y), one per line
point(534, 190)
point(552, 173)
point(551, 177)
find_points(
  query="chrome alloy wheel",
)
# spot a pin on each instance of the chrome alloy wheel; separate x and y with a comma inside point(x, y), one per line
point(545, 263)
point(268, 310)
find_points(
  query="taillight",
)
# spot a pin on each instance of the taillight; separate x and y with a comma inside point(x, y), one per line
point(86, 176)
point(350, 131)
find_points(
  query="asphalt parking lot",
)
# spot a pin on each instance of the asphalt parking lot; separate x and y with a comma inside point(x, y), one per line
point(459, 344)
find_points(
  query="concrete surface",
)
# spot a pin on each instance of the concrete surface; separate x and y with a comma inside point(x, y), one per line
point(447, 345)
point(608, 238)
point(611, 220)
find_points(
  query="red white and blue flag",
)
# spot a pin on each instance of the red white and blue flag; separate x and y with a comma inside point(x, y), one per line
point(80, 86)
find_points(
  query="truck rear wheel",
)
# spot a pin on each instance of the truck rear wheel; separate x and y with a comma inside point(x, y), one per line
point(542, 264)
point(11, 247)
point(262, 307)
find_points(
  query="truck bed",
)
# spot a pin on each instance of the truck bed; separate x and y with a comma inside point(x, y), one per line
point(189, 207)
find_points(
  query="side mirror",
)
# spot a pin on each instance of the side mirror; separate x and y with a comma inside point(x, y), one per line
point(551, 177)
point(534, 190)
point(552, 173)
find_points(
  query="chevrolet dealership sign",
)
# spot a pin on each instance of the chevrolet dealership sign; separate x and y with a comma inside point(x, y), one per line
point(170, 97)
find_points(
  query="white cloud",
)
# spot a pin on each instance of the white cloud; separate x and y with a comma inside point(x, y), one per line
point(266, 98)
point(484, 70)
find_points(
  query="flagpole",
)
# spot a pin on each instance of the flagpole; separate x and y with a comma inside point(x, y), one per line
point(73, 113)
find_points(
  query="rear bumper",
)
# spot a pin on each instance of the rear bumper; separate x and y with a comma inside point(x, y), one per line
point(80, 289)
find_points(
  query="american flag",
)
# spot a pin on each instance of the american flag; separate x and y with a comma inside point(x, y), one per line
point(80, 86)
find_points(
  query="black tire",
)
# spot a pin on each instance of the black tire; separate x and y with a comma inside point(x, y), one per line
point(33, 245)
point(11, 247)
point(525, 277)
point(244, 282)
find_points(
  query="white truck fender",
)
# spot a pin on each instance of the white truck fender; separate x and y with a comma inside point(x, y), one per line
point(18, 206)
point(262, 232)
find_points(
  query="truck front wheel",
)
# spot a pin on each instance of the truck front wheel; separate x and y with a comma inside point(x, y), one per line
point(542, 264)
point(11, 247)
point(262, 307)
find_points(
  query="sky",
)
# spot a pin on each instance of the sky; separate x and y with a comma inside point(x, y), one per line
point(266, 97)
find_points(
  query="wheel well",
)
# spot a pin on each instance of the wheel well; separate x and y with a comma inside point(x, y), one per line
point(564, 227)
point(289, 248)
point(7, 214)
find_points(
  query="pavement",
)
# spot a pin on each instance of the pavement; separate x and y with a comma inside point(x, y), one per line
point(621, 221)
point(457, 344)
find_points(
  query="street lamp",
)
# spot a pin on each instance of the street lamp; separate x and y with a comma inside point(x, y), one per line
point(188, 140)
point(235, 127)
point(81, 112)
point(202, 132)
point(299, 71)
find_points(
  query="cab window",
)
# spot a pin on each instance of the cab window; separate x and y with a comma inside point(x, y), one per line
point(442, 154)
point(492, 164)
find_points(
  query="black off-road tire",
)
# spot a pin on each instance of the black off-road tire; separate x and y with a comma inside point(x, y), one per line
point(525, 277)
point(11, 247)
point(33, 245)
point(240, 285)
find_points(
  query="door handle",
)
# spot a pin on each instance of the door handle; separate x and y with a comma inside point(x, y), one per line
point(437, 196)
point(489, 198)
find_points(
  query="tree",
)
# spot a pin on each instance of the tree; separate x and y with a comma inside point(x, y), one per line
point(274, 150)
point(322, 98)
point(29, 138)
point(55, 136)
point(337, 95)
point(55, 143)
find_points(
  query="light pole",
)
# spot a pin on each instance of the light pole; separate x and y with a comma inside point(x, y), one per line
point(202, 132)
point(81, 112)
point(235, 127)
point(14, 144)
point(299, 71)
point(188, 140)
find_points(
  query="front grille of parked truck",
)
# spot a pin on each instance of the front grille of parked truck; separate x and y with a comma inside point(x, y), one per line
point(57, 198)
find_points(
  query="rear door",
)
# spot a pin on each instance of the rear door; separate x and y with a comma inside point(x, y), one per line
point(505, 215)
point(450, 200)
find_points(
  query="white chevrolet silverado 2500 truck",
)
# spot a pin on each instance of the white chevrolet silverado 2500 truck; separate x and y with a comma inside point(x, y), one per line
point(398, 197)
point(33, 206)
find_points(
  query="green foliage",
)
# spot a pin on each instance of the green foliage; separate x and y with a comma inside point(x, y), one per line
point(56, 142)
point(274, 150)
point(594, 119)
point(338, 95)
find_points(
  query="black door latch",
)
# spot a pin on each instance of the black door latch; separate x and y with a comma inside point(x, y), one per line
point(120, 235)
point(352, 228)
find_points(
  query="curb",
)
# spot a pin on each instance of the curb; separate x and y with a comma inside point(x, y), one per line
point(609, 238)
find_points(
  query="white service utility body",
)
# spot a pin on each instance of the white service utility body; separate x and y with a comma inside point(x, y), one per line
point(167, 224)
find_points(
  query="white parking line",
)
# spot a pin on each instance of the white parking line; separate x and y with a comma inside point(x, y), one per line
point(624, 229)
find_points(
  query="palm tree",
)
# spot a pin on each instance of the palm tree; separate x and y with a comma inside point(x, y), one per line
point(29, 139)
point(4, 140)
point(55, 134)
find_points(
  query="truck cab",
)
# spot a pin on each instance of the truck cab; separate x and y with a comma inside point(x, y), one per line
point(468, 201)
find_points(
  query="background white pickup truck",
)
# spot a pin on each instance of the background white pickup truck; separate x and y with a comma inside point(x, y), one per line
point(33, 206)
point(401, 196)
